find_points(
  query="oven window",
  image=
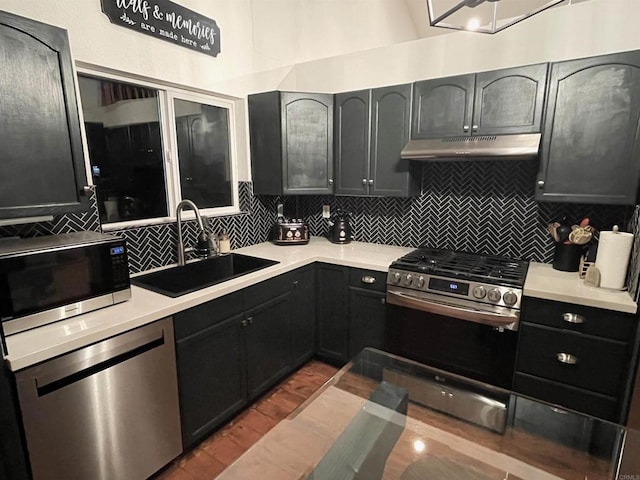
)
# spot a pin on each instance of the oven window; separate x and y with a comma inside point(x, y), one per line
point(470, 349)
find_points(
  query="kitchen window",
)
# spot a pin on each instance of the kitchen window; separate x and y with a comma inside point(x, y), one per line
point(150, 146)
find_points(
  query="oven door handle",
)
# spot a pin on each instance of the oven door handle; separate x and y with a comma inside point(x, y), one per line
point(495, 319)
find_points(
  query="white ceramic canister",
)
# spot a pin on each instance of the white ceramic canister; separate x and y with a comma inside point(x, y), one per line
point(612, 260)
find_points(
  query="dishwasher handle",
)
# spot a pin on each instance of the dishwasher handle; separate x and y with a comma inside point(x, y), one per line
point(92, 359)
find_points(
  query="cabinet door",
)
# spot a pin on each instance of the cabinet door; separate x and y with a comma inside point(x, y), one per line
point(391, 175)
point(14, 460)
point(211, 378)
point(307, 143)
point(509, 101)
point(367, 313)
point(352, 143)
point(333, 320)
point(267, 333)
point(590, 146)
point(303, 315)
point(443, 107)
point(42, 161)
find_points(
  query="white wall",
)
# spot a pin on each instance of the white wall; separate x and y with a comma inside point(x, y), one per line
point(583, 29)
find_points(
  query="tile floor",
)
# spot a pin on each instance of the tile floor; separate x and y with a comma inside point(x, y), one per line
point(221, 449)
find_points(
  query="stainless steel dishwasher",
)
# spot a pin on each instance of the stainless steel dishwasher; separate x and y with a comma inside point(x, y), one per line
point(107, 411)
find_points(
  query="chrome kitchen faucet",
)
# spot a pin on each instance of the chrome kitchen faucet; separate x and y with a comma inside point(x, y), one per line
point(202, 247)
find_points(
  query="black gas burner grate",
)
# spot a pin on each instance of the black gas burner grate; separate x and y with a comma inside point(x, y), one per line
point(471, 266)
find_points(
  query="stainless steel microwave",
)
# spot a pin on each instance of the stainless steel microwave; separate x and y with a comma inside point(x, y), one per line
point(46, 279)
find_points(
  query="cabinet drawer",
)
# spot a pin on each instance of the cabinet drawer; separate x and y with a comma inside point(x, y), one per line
point(582, 361)
point(578, 318)
point(368, 279)
point(265, 291)
point(601, 406)
point(203, 316)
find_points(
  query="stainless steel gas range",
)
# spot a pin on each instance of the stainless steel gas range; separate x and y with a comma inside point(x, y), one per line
point(457, 311)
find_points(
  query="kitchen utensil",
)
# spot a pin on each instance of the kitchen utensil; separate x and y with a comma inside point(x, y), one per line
point(580, 236)
point(552, 229)
point(563, 231)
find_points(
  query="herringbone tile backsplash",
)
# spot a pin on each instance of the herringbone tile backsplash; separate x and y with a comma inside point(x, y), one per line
point(485, 207)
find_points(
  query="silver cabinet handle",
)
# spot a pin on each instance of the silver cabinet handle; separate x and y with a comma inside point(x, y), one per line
point(566, 358)
point(86, 190)
point(368, 279)
point(465, 128)
point(364, 181)
point(244, 323)
point(475, 128)
point(371, 182)
point(331, 181)
point(573, 318)
point(540, 183)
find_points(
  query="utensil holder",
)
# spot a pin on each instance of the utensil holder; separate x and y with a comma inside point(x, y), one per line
point(566, 257)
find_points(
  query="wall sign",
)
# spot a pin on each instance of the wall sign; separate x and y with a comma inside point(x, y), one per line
point(166, 20)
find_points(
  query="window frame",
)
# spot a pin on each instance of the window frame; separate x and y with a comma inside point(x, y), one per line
point(168, 136)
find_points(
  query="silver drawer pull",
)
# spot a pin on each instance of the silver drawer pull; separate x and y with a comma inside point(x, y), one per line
point(368, 279)
point(573, 318)
point(566, 358)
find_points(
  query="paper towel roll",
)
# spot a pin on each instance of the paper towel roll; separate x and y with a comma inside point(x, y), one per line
point(612, 259)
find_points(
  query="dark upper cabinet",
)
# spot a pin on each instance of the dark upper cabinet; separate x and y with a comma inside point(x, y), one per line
point(372, 127)
point(443, 107)
point(590, 145)
point(291, 137)
point(352, 134)
point(42, 161)
point(488, 103)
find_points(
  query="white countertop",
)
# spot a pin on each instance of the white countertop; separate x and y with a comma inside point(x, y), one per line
point(545, 282)
point(34, 346)
point(40, 344)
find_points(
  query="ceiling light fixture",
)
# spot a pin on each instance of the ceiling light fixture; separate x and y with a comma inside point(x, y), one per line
point(485, 16)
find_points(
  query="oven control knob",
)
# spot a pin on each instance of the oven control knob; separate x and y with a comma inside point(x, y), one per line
point(395, 277)
point(420, 281)
point(479, 292)
point(494, 295)
point(408, 278)
point(510, 298)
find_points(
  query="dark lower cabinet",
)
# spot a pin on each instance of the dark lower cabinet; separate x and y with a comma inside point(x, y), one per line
point(14, 462)
point(351, 312)
point(367, 310)
point(211, 377)
point(267, 336)
point(303, 315)
point(333, 311)
point(575, 356)
point(232, 349)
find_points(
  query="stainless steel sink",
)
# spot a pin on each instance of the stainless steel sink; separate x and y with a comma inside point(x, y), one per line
point(188, 278)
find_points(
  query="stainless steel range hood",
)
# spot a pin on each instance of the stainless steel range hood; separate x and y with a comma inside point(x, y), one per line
point(478, 147)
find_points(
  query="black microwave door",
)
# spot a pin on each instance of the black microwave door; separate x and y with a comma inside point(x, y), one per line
point(32, 283)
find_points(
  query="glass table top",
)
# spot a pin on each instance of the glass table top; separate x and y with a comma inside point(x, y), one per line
point(385, 417)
